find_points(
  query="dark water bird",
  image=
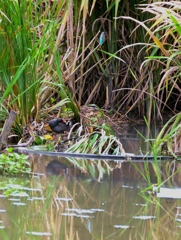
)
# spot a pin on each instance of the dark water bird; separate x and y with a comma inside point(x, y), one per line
point(59, 125)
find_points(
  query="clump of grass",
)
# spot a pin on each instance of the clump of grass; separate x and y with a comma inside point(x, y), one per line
point(98, 142)
point(168, 140)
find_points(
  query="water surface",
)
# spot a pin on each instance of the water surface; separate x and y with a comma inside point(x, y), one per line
point(62, 202)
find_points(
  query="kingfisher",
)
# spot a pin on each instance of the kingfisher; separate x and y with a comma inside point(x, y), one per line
point(102, 38)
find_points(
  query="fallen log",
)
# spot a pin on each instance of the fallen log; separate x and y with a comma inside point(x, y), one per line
point(128, 157)
point(7, 129)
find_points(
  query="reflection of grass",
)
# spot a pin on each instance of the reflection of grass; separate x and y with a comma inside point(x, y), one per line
point(13, 186)
point(153, 151)
point(164, 225)
point(113, 203)
point(61, 227)
point(95, 168)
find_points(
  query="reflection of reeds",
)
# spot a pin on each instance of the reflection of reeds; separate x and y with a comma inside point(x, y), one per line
point(62, 227)
point(163, 225)
point(86, 195)
point(96, 169)
point(78, 207)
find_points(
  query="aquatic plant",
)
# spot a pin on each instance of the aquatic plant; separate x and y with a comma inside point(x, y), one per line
point(168, 140)
point(167, 145)
point(14, 163)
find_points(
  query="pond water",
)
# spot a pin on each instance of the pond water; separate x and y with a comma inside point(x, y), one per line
point(60, 201)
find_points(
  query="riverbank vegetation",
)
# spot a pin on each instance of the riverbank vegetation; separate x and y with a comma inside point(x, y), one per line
point(52, 62)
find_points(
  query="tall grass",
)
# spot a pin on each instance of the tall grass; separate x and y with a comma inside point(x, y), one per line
point(164, 52)
point(28, 34)
point(47, 47)
point(31, 33)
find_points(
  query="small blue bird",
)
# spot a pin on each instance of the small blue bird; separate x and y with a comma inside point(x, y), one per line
point(102, 38)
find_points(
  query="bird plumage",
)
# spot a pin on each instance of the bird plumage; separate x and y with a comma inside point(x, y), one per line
point(59, 125)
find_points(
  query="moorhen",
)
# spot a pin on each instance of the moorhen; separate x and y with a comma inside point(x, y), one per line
point(59, 125)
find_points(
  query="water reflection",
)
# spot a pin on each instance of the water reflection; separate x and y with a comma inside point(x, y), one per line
point(55, 167)
point(62, 202)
